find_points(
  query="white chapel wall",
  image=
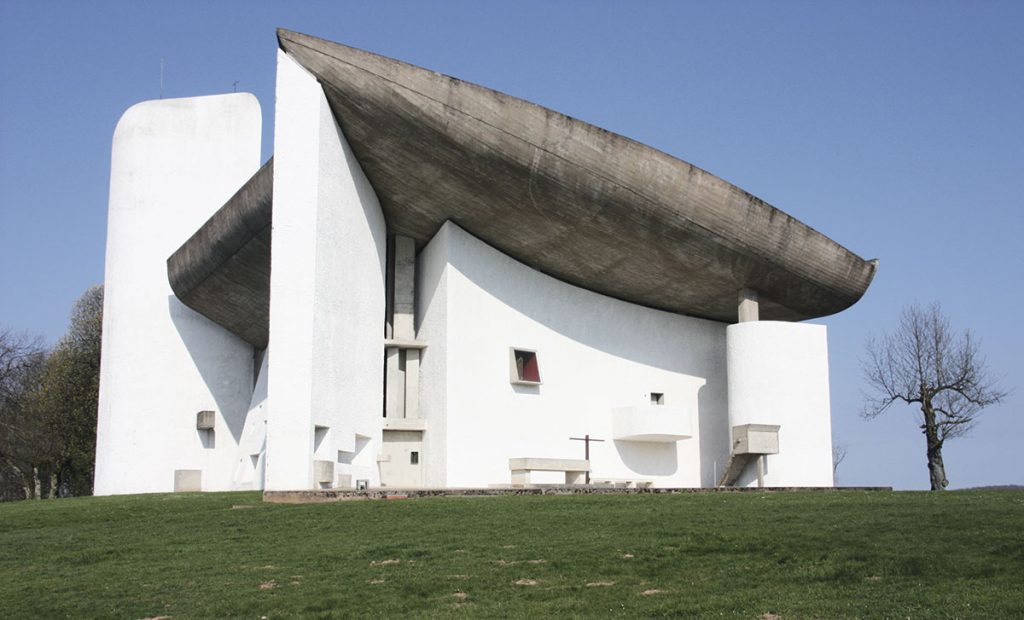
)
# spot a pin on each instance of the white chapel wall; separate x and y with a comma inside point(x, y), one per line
point(595, 354)
point(174, 163)
point(326, 294)
point(432, 271)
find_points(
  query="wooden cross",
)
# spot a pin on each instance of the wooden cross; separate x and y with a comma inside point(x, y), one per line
point(586, 439)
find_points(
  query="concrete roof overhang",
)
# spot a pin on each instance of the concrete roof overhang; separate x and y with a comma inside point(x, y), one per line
point(579, 203)
point(223, 270)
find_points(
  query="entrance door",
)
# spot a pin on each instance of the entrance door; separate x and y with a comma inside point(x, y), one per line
point(401, 454)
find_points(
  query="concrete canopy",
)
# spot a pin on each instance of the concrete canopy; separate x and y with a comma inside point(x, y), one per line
point(223, 270)
point(569, 199)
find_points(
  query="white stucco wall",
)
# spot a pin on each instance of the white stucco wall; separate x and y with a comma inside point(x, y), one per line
point(432, 271)
point(595, 353)
point(250, 464)
point(326, 291)
point(174, 163)
point(778, 374)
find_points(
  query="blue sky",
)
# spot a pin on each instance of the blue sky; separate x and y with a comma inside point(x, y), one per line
point(895, 128)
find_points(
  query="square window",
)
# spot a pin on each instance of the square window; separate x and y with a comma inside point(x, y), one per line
point(414, 458)
point(524, 368)
point(657, 398)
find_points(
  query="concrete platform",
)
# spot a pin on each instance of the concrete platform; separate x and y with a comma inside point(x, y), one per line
point(342, 495)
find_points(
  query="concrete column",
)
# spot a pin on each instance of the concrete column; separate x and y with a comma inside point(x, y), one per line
point(412, 383)
point(394, 393)
point(405, 288)
point(778, 376)
point(402, 365)
point(747, 305)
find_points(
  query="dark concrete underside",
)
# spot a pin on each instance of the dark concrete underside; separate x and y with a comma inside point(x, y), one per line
point(579, 203)
point(223, 270)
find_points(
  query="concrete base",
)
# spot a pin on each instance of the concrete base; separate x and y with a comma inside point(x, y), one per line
point(341, 495)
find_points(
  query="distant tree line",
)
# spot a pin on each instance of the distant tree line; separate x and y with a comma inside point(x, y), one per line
point(48, 403)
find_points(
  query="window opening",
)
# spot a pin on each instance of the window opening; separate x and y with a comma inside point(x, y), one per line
point(525, 368)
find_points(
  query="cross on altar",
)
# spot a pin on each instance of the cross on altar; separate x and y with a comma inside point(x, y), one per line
point(586, 439)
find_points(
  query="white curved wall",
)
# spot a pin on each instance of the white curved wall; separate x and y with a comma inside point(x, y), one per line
point(174, 163)
point(778, 374)
point(595, 354)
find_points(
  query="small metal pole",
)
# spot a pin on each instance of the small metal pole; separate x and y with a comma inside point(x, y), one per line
point(586, 439)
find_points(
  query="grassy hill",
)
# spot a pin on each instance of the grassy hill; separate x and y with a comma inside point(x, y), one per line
point(750, 555)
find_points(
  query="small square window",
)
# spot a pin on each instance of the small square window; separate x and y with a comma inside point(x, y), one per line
point(657, 398)
point(524, 368)
point(414, 458)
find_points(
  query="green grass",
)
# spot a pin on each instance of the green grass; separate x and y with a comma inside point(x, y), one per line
point(797, 555)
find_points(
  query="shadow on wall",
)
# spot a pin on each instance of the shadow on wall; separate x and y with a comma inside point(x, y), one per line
point(712, 435)
point(210, 364)
point(648, 458)
point(558, 305)
point(365, 194)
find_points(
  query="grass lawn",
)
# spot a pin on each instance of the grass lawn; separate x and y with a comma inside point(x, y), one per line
point(794, 555)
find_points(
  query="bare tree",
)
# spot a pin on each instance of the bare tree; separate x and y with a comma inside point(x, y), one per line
point(925, 363)
point(838, 456)
point(25, 441)
point(16, 351)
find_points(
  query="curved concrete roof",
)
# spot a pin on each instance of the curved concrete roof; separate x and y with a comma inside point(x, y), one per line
point(223, 270)
point(579, 203)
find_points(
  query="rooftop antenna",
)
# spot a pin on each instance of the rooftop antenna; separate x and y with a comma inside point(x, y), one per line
point(234, 86)
point(161, 78)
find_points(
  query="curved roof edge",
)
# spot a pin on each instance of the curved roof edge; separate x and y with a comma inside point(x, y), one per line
point(574, 201)
point(223, 270)
point(577, 202)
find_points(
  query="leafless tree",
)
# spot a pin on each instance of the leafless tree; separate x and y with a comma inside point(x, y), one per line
point(25, 441)
point(838, 456)
point(924, 363)
point(16, 351)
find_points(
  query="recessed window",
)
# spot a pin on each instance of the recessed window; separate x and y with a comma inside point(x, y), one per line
point(319, 434)
point(657, 398)
point(414, 458)
point(525, 369)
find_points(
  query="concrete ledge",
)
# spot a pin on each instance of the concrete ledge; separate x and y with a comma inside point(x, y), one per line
point(405, 424)
point(342, 495)
point(545, 464)
point(398, 343)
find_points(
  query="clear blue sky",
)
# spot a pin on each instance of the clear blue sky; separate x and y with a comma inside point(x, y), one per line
point(896, 128)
